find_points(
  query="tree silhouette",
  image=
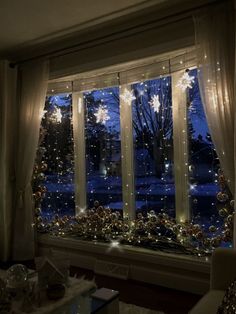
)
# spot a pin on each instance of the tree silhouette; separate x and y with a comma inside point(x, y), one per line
point(58, 141)
point(152, 130)
point(98, 136)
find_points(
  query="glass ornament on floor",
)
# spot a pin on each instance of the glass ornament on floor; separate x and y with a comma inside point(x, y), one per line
point(17, 276)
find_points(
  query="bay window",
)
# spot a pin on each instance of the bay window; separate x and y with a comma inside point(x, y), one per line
point(140, 148)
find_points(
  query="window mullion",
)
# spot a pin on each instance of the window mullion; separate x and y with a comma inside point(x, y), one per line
point(79, 152)
point(180, 139)
point(127, 155)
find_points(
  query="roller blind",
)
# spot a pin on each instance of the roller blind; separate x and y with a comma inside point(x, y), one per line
point(127, 74)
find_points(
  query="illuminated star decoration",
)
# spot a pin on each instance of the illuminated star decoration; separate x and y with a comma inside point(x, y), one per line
point(102, 115)
point(114, 244)
point(192, 187)
point(185, 81)
point(57, 115)
point(155, 103)
point(128, 96)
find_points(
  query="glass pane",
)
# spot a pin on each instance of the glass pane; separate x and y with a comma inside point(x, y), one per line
point(103, 148)
point(54, 169)
point(203, 163)
point(153, 146)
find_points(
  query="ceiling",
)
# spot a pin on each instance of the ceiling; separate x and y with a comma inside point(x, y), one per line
point(24, 22)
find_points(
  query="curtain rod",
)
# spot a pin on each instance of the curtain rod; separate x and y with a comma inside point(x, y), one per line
point(121, 34)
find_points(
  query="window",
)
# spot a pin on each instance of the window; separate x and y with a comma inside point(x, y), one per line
point(54, 168)
point(206, 182)
point(153, 146)
point(103, 148)
point(203, 160)
point(141, 158)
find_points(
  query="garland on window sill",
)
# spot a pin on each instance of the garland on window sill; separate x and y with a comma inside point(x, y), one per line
point(153, 231)
point(157, 232)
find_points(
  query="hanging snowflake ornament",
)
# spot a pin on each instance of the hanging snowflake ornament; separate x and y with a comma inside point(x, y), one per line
point(185, 81)
point(57, 115)
point(155, 103)
point(128, 96)
point(102, 115)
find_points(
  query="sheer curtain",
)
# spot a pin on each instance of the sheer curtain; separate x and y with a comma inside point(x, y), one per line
point(214, 31)
point(215, 56)
point(234, 120)
point(32, 92)
point(7, 122)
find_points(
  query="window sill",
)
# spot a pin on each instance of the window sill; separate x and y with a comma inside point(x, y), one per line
point(181, 272)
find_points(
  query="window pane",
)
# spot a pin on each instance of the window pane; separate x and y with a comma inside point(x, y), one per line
point(203, 161)
point(103, 148)
point(153, 146)
point(54, 167)
point(154, 171)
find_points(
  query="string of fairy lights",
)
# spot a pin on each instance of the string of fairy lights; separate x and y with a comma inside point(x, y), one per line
point(102, 146)
point(56, 158)
point(158, 231)
point(149, 112)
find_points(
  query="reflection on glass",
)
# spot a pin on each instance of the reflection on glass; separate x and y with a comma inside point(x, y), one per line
point(103, 148)
point(203, 161)
point(153, 146)
point(56, 154)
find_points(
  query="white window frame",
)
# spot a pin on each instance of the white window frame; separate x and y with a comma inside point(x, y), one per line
point(173, 67)
point(79, 152)
point(180, 142)
point(127, 155)
point(181, 152)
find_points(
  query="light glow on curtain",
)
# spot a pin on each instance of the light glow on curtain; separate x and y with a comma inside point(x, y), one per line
point(33, 86)
point(216, 58)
